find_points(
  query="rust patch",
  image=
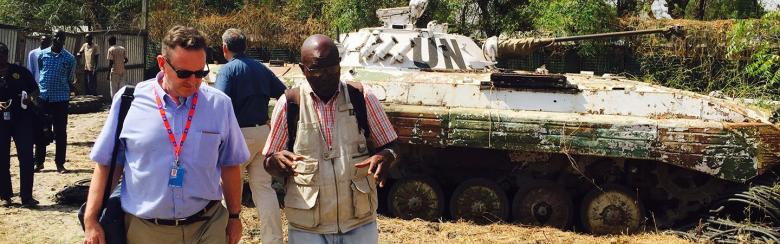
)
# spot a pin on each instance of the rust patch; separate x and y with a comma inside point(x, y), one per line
point(670, 115)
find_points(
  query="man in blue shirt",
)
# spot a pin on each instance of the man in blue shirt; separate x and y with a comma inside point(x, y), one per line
point(250, 85)
point(181, 148)
point(56, 66)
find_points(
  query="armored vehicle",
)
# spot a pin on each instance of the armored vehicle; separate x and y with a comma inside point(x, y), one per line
point(604, 154)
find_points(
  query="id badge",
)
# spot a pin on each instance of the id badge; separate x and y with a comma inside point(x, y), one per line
point(176, 178)
point(7, 115)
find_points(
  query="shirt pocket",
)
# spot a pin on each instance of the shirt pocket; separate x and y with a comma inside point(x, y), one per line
point(208, 148)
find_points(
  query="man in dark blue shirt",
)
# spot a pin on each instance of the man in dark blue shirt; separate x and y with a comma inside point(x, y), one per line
point(250, 85)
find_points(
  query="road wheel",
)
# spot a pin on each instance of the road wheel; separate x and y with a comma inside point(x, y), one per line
point(613, 209)
point(411, 198)
point(543, 203)
point(479, 200)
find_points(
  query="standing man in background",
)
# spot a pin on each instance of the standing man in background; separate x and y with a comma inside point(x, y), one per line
point(250, 85)
point(117, 58)
point(90, 52)
point(32, 57)
point(57, 66)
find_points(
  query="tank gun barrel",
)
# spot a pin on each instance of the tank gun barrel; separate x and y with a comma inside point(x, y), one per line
point(523, 47)
point(671, 30)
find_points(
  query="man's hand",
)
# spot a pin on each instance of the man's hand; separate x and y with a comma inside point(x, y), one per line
point(282, 163)
point(93, 232)
point(233, 231)
point(377, 166)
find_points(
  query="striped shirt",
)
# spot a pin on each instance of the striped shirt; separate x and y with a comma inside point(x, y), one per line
point(382, 131)
point(56, 73)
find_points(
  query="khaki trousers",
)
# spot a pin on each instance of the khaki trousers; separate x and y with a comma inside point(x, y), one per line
point(263, 195)
point(116, 81)
point(211, 231)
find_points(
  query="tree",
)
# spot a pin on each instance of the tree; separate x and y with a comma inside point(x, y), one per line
point(723, 9)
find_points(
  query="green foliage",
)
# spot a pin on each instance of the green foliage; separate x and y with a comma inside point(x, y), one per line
point(302, 9)
point(757, 41)
point(348, 15)
point(39, 14)
point(575, 17)
point(725, 9)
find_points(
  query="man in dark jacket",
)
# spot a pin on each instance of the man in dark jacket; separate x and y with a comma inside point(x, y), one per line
point(17, 88)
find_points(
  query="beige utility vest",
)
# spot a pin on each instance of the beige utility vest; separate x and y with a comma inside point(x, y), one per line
point(329, 194)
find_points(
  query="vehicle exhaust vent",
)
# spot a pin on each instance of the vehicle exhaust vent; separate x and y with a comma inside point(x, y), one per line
point(532, 81)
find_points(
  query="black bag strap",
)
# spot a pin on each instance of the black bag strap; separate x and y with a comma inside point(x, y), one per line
point(293, 112)
point(355, 91)
point(124, 106)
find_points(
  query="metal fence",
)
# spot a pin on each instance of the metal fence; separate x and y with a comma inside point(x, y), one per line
point(20, 42)
point(9, 35)
point(133, 42)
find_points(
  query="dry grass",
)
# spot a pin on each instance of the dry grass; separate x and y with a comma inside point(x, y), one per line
point(54, 223)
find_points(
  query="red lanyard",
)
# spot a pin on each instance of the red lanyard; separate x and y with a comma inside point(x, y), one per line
point(176, 147)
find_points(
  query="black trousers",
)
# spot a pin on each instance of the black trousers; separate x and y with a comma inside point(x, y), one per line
point(90, 76)
point(21, 129)
point(59, 114)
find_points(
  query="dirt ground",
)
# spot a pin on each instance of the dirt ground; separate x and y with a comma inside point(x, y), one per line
point(53, 223)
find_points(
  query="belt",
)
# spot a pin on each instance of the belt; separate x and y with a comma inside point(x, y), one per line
point(197, 217)
point(252, 125)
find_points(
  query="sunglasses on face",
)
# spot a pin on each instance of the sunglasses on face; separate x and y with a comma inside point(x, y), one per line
point(317, 72)
point(184, 74)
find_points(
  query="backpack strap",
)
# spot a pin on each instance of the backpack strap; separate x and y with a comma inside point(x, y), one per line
point(355, 91)
point(293, 96)
point(124, 106)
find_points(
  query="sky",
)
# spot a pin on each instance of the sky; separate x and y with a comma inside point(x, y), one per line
point(771, 4)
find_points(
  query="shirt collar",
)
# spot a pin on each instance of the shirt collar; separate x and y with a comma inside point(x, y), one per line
point(168, 98)
point(237, 56)
point(332, 98)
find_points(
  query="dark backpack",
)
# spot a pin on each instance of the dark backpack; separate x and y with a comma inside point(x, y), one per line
point(354, 89)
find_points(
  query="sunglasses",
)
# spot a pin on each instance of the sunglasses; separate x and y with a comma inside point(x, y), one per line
point(184, 74)
point(317, 72)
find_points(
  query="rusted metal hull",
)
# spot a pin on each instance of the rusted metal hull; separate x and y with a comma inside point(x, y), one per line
point(731, 151)
point(637, 121)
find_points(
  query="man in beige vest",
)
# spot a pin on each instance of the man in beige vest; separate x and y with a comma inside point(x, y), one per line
point(331, 166)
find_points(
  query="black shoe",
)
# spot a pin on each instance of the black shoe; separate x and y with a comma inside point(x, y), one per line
point(7, 202)
point(38, 168)
point(61, 169)
point(30, 203)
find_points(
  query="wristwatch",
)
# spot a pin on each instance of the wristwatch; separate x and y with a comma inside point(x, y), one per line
point(234, 215)
point(395, 156)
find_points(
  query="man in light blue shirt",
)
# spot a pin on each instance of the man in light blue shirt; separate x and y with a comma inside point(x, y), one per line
point(32, 57)
point(169, 200)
